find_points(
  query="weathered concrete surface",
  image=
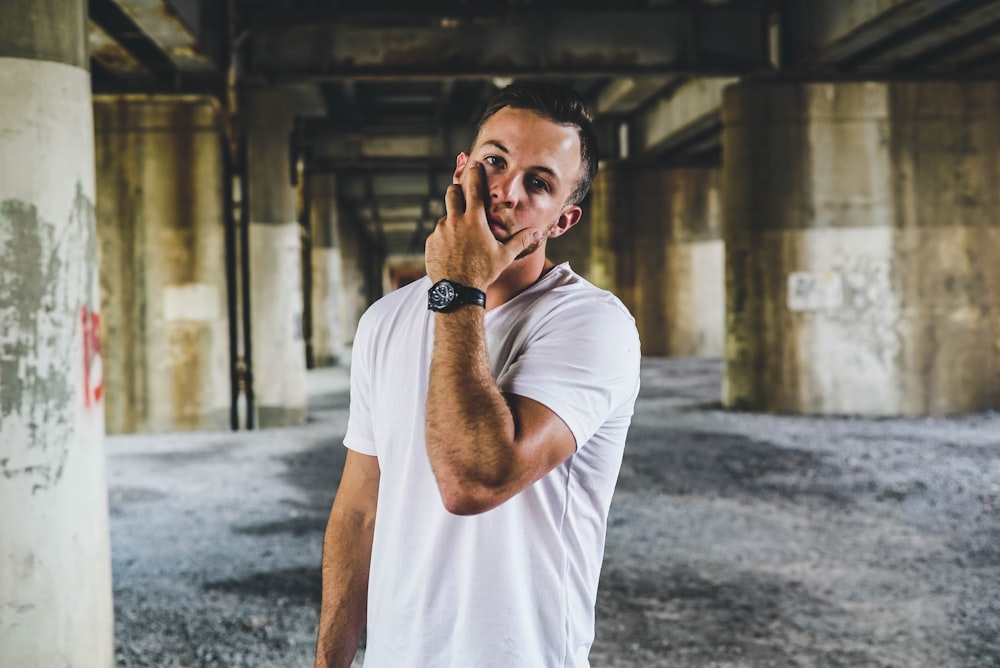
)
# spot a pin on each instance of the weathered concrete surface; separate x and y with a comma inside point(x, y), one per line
point(691, 108)
point(160, 223)
point(863, 247)
point(276, 300)
point(654, 238)
point(607, 210)
point(47, 30)
point(675, 253)
point(735, 539)
point(574, 246)
point(55, 574)
point(354, 261)
point(327, 335)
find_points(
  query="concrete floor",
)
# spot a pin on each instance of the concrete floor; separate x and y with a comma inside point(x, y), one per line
point(734, 540)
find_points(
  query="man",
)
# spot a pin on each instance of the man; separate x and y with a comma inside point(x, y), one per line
point(489, 407)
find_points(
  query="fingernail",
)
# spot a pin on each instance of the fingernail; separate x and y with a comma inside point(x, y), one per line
point(535, 235)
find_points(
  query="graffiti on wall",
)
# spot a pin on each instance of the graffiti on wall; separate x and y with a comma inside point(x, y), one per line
point(870, 306)
point(93, 377)
point(48, 310)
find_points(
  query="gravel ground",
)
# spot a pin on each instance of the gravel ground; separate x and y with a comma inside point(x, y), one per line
point(735, 539)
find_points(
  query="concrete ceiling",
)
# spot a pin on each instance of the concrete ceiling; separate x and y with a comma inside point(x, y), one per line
point(388, 94)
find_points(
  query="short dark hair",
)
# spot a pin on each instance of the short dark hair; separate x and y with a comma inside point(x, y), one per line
point(561, 105)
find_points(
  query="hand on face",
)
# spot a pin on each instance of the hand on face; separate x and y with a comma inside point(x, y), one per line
point(462, 248)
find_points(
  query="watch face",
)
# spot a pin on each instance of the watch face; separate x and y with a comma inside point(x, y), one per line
point(441, 295)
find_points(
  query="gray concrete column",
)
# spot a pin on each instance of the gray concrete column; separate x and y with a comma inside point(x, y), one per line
point(608, 217)
point(574, 246)
point(640, 230)
point(279, 362)
point(655, 241)
point(354, 261)
point(162, 241)
point(696, 287)
point(55, 565)
point(327, 337)
point(863, 247)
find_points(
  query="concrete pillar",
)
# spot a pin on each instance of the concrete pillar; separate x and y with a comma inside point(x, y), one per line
point(279, 362)
point(327, 337)
point(354, 260)
point(863, 247)
point(677, 253)
point(574, 246)
point(641, 234)
point(55, 565)
point(608, 218)
point(655, 242)
point(162, 242)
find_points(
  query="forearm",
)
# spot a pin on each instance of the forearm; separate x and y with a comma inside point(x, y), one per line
point(470, 430)
point(346, 561)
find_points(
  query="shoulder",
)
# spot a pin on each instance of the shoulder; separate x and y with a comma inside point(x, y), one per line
point(407, 304)
point(410, 297)
point(567, 300)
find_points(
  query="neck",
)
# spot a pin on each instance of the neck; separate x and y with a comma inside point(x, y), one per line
point(520, 276)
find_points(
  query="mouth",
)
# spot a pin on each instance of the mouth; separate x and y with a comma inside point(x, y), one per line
point(497, 226)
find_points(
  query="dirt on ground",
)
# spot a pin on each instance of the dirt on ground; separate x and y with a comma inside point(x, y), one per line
point(735, 539)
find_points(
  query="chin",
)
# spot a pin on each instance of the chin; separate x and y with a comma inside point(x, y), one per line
point(529, 250)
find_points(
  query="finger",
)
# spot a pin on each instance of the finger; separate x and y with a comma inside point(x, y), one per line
point(521, 242)
point(473, 185)
point(454, 200)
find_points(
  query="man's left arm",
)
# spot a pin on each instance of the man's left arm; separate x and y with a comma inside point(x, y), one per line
point(484, 446)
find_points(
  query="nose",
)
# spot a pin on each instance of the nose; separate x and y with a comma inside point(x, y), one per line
point(506, 189)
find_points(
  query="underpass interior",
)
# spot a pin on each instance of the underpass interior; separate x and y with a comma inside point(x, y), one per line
point(735, 539)
point(799, 201)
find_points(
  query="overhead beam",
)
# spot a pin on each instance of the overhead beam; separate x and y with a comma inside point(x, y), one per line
point(417, 145)
point(947, 34)
point(704, 39)
point(685, 123)
point(119, 26)
point(327, 165)
point(972, 54)
point(112, 56)
point(625, 94)
point(845, 33)
point(163, 24)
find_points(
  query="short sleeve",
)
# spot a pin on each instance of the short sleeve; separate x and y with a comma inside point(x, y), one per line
point(582, 363)
point(360, 433)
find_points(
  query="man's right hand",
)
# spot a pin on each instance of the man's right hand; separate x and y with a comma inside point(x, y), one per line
point(462, 248)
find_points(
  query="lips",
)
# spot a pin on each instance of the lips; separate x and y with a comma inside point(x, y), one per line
point(497, 225)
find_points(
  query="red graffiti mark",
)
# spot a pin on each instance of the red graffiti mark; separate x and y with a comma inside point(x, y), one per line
point(93, 376)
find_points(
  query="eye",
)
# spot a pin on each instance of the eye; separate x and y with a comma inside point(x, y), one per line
point(494, 161)
point(538, 184)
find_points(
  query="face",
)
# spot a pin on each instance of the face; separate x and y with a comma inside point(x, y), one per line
point(531, 166)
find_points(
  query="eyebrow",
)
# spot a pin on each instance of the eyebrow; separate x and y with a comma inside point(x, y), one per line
point(503, 149)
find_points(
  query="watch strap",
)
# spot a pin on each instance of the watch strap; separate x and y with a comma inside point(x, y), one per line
point(465, 295)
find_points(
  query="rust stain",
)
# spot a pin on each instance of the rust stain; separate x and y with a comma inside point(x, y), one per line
point(116, 58)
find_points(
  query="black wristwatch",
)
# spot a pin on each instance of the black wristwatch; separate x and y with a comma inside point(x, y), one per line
point(445, 296)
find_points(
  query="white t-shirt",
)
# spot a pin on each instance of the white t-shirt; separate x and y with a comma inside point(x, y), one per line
point(513, 587)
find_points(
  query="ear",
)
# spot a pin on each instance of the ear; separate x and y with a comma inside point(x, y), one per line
point(568, 218)
point(460, 161)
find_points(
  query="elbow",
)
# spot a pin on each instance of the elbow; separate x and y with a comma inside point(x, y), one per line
point(466, 499)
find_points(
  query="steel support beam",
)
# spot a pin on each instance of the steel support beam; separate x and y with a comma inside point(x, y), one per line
point(847, 34)
point(686, 124)
point(699, 38)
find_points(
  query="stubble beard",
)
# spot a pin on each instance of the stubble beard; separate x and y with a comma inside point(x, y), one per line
point(537, 244)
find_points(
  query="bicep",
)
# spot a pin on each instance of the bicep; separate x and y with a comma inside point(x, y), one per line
point(542, 439)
